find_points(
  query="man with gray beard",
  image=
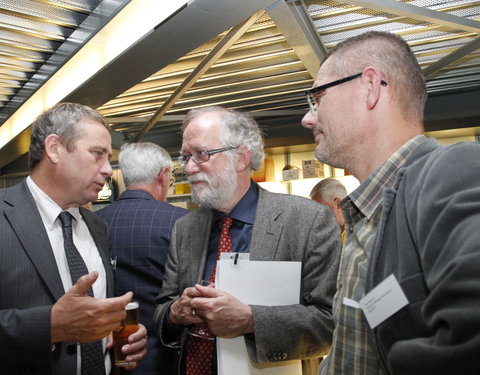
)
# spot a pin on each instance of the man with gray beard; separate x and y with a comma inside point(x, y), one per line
point(220, 149)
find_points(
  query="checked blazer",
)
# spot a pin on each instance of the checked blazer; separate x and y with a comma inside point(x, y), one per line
point(140, 228)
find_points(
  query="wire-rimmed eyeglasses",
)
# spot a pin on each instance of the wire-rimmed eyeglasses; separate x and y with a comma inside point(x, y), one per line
point(202, 156)
point(313, 95)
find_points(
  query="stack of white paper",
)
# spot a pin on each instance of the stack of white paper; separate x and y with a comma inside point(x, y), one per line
point(256, 283)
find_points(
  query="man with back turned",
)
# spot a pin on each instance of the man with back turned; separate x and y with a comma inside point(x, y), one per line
point(140, 222)
point(411, 225)
point(330, 192)
point(57, 308)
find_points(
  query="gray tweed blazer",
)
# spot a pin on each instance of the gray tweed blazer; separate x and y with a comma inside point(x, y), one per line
point(286, 228)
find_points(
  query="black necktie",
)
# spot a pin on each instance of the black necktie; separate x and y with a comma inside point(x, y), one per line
point(92, 352)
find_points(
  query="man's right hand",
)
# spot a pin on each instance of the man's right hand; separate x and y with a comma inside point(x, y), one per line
point(78, 317)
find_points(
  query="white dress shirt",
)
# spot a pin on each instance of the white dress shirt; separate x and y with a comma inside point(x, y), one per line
point(83, 240)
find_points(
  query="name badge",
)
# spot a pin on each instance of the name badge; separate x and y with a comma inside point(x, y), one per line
point(383, 301)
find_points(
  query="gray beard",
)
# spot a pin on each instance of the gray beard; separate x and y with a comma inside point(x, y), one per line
point(219, 191)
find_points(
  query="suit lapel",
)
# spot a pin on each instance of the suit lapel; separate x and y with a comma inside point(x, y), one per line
point(28, 226)
point(266, 229)
point(197, 243)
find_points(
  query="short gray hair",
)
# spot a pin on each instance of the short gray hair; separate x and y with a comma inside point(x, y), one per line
point(328, 189)
point(392, 55)
point(238, 128)
point(141, 162)
point(63, 120)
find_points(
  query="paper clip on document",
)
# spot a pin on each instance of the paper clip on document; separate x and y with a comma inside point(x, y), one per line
point(235, 256)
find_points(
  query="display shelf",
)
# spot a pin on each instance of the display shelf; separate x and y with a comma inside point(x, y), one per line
point(179, 195)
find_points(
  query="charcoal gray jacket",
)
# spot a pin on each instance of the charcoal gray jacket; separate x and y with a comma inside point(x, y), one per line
point(429, 238)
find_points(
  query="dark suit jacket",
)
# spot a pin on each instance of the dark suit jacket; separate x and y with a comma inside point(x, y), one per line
point(30, 284)
point(286, 228)
point(140, 228)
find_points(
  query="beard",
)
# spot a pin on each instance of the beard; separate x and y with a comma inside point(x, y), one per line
point(218, 190)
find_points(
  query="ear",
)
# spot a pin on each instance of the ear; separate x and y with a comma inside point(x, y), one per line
point(162, 177)
point(53, 148)
point(161, 185)
point(373, 80)
point(336, 201)
point(243, 158)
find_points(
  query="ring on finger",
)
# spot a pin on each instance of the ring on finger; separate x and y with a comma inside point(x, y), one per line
point(194, 313)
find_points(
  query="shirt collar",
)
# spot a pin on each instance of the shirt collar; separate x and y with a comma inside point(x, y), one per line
point(48, 208)
point(368, 196)
point(245, 209)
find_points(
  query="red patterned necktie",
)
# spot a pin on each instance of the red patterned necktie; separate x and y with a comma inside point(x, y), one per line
point(201, 340)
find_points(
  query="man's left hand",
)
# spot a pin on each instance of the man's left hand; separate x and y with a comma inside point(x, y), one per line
point(136, 348)
point(225, 315)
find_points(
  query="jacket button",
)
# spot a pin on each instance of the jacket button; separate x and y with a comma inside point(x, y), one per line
point(71, 349)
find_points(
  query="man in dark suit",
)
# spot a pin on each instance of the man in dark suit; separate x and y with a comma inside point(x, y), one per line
point(140, 223)
point(44, 311)
point(219, 150)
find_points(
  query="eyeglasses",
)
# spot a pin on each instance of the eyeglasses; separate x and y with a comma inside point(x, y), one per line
point(202, 156)
point(313, 94)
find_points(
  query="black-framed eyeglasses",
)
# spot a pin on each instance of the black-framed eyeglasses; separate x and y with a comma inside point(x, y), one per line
point(313, 94)
point(202, 156)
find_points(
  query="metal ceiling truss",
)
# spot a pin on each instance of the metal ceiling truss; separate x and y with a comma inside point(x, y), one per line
point(37, 37)
point(294, 22)
point(431, 16)
point(420, 13)
point(461, 52)
point(225, 43)
point(262, 66)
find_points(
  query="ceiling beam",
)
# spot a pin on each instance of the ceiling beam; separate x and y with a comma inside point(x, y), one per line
point(435, 67)
point(223, 45)
point(104, 12)
point(292, 19)
point(198, 22)
point(166, 119)
point(107, 43)
point(419, 13)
